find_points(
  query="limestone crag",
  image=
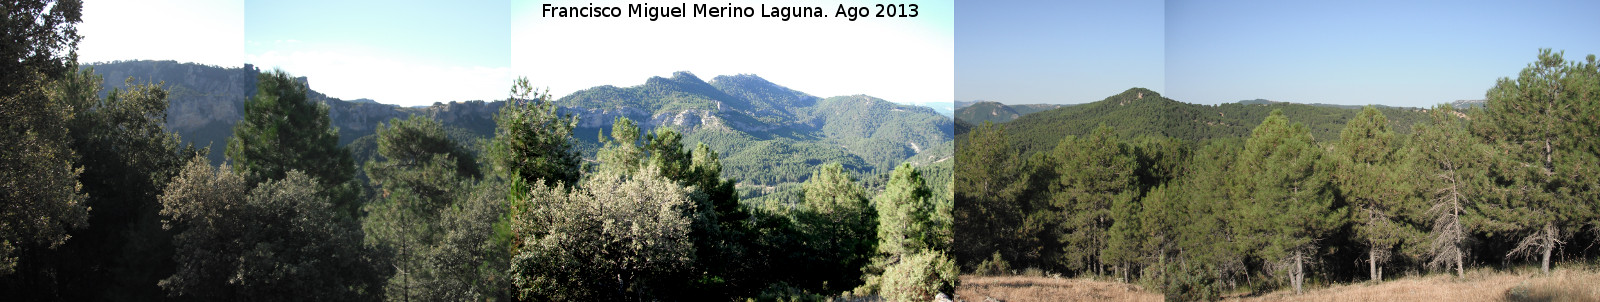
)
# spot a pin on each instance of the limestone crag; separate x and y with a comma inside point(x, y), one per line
point(198, 95)
point(602, 117)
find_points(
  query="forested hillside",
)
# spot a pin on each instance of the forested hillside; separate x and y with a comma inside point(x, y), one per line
point(1200, 201)
point(999, 113)
point(771, 136)
point(1139, 111)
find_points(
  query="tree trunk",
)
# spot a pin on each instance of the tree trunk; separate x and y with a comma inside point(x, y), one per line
point(1460, 270)
point(1549, 243)
point(1299, 273)
point(1372, 264)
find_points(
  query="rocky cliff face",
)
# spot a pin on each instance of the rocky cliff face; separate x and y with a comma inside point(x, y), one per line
point(199, 95)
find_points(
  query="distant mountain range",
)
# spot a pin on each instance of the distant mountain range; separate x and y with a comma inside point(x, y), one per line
point(983, 111)
point(948, 109)
point(1138, 111)
point(770, 137)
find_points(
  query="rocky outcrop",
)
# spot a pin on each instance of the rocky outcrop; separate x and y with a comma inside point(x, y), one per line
point(198, 95)
point(602, 117)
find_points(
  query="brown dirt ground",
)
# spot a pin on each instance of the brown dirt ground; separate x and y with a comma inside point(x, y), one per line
point(1478, 285)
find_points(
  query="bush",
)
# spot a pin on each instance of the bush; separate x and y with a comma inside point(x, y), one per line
point(1191, 283)
point(994, 266)
point(919, 277)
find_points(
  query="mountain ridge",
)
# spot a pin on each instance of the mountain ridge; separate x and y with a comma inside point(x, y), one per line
point(768, 134)
point(1143, 112)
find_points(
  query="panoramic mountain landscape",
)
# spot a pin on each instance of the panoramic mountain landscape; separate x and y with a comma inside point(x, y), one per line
point(769, 136)
point(157, 180)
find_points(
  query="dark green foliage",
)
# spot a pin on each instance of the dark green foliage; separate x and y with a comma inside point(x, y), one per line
point(770, 137)
point(962, 127)
point(533, 142)
point(1139, 111)
point(37, 44)
point(999, 113)
point(621, 154)
point(879, 132)
point(1375, 185)
point(280, 240)
point(1448, 166)
point(1217, 204)
point(987, 189)
point(283, 130)
point(779, 161)
point(682, 91)
point(993, 112)
point(1284, 196)
point(424, 185)
point(838, 226)
point(1095, 174)
point(126, 157)
point(912, 240)
point(1545, 174)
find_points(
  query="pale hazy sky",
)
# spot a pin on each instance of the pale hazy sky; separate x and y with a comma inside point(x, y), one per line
point(420, 52)
point(209, 32)
point(906, 60)
point(407, 52)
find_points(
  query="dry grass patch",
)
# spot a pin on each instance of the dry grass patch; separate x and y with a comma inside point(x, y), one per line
point(1479, 285)
point(1028, 289)
point(1563, 284)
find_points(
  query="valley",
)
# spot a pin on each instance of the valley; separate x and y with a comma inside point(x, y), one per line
point(770, 137)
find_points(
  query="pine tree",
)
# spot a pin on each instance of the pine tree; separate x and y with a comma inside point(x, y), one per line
point(838, 225)
point(1096, 173)
point(1448, 169)
point(283, 130)
point(532, 142)
point(421, 176)
point(987, 214)
point(1369, 176)
point(1287, 196)
point(908, 226)
point(1547, 173)
point(621, 153)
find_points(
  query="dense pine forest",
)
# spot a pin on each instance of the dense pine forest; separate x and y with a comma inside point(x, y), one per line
point(1200, 201)
point(103, 202)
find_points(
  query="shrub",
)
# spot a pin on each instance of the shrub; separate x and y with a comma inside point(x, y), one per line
point(919, 276)
point(994, 266)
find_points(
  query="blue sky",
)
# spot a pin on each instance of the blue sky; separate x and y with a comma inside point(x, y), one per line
point(1403, 53)
point(1025, 52)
